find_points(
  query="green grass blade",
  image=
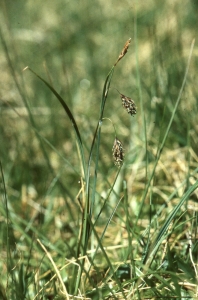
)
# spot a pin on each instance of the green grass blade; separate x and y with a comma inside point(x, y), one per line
point(167, 130)
point(87, 213)
point(23, 97)
point(97, 132)
point(167, 201)
point(68, 112)
point(8, 258)
point(99, 241)
point(161, 235)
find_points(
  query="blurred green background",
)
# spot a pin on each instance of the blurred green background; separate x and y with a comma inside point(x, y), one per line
point(73, 44)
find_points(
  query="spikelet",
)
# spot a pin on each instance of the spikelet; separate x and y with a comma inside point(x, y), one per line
point(128, 104)
point(124, 51)
point(118, 153)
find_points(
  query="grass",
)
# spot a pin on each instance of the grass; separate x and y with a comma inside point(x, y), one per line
point(75, 225)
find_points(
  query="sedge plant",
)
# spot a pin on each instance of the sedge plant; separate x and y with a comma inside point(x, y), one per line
point(140, 275)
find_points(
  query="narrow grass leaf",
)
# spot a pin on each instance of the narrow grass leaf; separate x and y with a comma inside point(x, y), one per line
point(68, 112)
point(23, 97)
point(154, 247)
point(167, 130)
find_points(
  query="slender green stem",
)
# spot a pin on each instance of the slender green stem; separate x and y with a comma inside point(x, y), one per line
point(167, 131)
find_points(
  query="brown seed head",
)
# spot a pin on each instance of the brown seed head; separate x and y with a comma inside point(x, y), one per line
point(118, 153)
point(128, 104)
point(124, 51)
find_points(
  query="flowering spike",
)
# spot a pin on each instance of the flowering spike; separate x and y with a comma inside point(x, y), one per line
point(118, 153)
point(124, 51)
point(128, 104)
